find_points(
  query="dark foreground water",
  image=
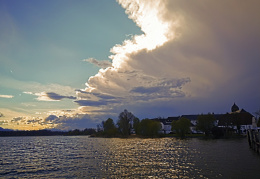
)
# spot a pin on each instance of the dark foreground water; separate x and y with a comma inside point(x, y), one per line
point(84, 157)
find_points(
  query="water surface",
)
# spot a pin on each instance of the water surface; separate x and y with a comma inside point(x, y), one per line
point(84, 157)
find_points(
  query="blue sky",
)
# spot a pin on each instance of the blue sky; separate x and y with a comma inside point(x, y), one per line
point(71, 64)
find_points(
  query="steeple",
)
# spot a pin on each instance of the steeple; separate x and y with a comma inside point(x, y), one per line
point(234, 108)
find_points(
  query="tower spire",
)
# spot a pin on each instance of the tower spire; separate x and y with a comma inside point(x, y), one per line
point(234, 108)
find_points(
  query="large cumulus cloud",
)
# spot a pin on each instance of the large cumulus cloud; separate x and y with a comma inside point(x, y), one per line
point(191, 55)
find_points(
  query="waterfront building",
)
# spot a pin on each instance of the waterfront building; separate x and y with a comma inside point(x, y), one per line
point(238, 121)
point(166, 124)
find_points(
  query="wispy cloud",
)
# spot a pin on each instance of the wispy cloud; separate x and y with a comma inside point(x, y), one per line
point(101, 64)
point(35, 87)
point(6, 96)
point(49, 96)
point(56, 96)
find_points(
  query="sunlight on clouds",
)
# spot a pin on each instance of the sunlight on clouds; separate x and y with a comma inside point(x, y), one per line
point(123, 81)
point(146, 14)
point(19, 120)
point(6, 96)
point(67, 113)
point(42, 96)
point(120, 79)
point(184, 54)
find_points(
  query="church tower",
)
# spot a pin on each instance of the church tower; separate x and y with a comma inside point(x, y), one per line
point(234, 108)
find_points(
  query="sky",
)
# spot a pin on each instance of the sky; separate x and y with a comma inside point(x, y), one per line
point(72, 64)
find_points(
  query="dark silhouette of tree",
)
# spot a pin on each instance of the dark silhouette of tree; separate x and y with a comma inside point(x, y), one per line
point(88, 131)
point(125, 121)
point(206, 123)
point(181, 126)
point(31, 133)
point(100, 127)
point(136, 125)
point(110, 129)
point(74, 132)
point(149, 128)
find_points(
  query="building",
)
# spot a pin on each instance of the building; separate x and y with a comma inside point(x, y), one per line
point(238, 120)
point(166, 124)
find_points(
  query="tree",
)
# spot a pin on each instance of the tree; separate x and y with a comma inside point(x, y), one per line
point(100, 127)
point(89, 131)
point(136, 123)
point(149, 128)
point(125, 121)
point(181, 126)
point(109, 128)
point(206, 123)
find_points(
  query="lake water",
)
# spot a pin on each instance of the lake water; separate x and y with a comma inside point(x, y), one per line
point(84, 157)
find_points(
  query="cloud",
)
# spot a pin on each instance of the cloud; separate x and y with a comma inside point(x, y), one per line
point(51, 118)
point(6, 96)
point(3, 122)
point(35, 87)
point(32, 123)
point(192, 55)
point(101, 64)
point(43, 96)
point(69, 119)
point(90, 103)
point(164, 87)
point(49, 96)
point(56, 96)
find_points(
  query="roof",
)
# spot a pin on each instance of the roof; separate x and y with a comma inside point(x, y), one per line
point(243, 118)
point(190, 117)
point(167, 121)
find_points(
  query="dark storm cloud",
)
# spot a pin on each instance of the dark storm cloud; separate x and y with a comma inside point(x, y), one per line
point(163, 87)
point(51, 118)
point(85, 94)
point(55, 96)
point(92, 103)
point(75, 121)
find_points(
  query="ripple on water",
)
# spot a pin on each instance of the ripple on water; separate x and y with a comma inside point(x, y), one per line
point(83, 157)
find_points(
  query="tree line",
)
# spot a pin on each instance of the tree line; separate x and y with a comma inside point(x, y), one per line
point(128, 124)
point(31, 133)
point(205, 124)
point(47, 132)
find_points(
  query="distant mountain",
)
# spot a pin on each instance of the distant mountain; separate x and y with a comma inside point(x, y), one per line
point(2, 129)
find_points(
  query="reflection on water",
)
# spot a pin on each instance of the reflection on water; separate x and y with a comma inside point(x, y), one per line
point(83, 157)
point(151, 157)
